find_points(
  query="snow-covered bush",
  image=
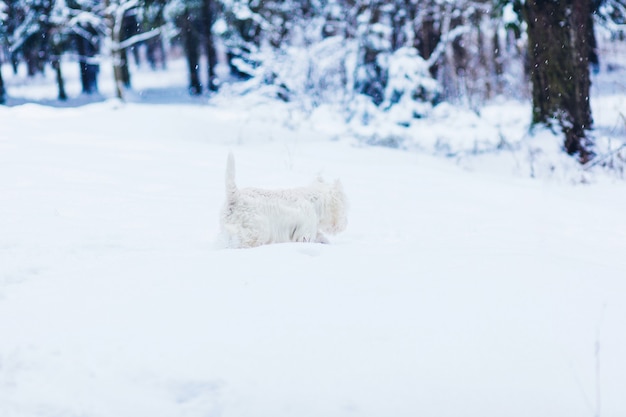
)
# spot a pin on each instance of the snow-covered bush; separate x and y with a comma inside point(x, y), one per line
point(372, 57)
point(410, 89)
point(325, 73)
point(318, 74)
point(330, 72)
point(409, 94)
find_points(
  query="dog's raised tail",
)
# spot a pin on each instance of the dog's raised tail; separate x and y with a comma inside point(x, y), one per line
point(231, 187)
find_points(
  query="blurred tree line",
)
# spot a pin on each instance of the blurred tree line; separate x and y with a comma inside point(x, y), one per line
point(390, 54)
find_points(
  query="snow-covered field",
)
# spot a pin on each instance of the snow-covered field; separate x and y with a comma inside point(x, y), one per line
point(461, 287)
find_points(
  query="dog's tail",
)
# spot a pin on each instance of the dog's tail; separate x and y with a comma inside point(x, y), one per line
point(231, 187)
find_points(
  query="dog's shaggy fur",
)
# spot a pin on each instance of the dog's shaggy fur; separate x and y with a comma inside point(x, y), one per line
point(253, 216)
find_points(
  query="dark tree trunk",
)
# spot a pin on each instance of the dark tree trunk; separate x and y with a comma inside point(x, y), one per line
point(34, 63)
point(15, 62)
point(497, 61)
point(155, 53)
point(56, 64)
point(3, 96)
point(483, 58)
point(208, 16)
point(192, 44)
point(130, 28)
point(88, 70)
point(193, 61)
point(427, 37)
point(124, 70)
point(559, 69)
point(594, 59)
point(56, 50)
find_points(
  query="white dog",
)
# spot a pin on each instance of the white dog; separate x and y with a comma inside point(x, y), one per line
point(253, 217)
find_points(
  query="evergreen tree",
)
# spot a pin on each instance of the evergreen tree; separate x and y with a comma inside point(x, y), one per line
point(375, 47)
point(38, 31)
point(29, 35)
point(242, 37)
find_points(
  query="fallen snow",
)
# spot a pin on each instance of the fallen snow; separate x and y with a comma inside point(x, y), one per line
point(456, 290)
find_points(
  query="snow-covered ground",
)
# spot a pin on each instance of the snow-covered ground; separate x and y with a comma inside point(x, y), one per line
point(462, 287)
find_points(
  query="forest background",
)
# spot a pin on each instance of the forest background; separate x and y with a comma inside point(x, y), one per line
point(399, 57)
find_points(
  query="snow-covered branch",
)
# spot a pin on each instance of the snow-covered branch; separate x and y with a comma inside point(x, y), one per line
point(117, 13)
point(138, 38)
point(87, 19)
point(444, 42)
point(29, 27)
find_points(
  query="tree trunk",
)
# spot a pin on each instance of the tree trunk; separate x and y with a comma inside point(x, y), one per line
point(124, 70)
point(15, 62)
point(33, 62)
point(88, 71)
point(115, 20)
point(117, 71)
point(155, 52)
point(594, 59)
point(2, 90)
point(446, 74)
point(428, 36)
point(56, 64)
point(191, 43)
point(116, 55)
point(498, 66)
point(209, 44)
point(128, 30)
point(559, 69)
point(56, 50)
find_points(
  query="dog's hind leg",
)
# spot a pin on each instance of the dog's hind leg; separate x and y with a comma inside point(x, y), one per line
point(320, 238)
point(300, 234)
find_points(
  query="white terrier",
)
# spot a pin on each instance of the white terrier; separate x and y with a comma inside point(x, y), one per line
point(253, 216)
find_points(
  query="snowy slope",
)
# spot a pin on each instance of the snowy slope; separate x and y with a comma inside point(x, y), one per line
point(450, 294)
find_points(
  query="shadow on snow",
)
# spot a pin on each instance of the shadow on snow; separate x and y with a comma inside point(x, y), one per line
point(155, 95)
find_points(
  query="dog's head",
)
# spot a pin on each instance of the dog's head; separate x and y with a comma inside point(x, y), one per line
point(334, 207)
